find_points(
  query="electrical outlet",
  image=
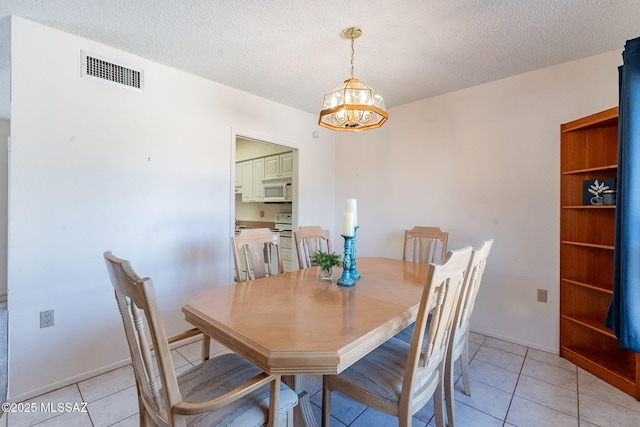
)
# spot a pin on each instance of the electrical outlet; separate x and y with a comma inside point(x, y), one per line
point(46, 318)
point(542, 295)
point(261, 214)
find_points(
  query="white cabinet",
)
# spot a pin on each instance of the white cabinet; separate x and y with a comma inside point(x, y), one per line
point(252, 176)
point(247, 180)
point(258, 176)
point(285, 252)
point(272, 167)
point(238, 184)
point(251, 173)
point(278, 166)
point(286, 164)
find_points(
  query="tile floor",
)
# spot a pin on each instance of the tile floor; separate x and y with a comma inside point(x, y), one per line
point(512, 386)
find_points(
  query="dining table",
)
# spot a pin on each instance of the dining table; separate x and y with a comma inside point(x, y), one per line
point(295, 324)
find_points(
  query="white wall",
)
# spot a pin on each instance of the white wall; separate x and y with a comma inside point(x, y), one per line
point(5, 126)
point(147, 176)
point(481, 162)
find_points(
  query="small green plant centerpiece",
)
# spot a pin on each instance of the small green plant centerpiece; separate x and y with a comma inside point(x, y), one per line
point(326, 262)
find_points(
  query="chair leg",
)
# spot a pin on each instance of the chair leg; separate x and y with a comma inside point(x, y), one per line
point(274, 403)
point(143, 417)
point(438, 404)
point(142, 411)
point(206, 347)
point(464, 361)
point(326, 403)
point(449, 375)
point(404, 420)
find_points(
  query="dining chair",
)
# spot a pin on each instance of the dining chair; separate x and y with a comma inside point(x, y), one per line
point(225, 390)
point(425, 245)
point(399, 378)
point(254, 250)
point(459, 337)
point(309, 240)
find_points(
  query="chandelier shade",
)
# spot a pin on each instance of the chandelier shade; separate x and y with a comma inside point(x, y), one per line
point(352, 105)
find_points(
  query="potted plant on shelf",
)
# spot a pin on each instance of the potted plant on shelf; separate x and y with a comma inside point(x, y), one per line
point(326, 262)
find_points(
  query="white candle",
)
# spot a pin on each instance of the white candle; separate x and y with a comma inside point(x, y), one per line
point(347, 224)
point(352, 207)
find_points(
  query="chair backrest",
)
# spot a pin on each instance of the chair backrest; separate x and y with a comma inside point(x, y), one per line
point(425, 363)
point(462, 319)
point(308, 241)
point(425, 245)
point(139, 308)
point(253, 252)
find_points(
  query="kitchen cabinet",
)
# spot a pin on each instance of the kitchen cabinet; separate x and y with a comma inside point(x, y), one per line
point(247, 180)
point(251, 173)
point(252, 176)
point(272, 167)
point(258, 176)
point(285, 254)
point(286, 165)
point(238, 183)
point(285, 251)
point(279, 166)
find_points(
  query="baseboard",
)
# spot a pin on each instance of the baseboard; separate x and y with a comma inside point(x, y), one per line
point(85, 376)
point(66, 382)
point(555, 350)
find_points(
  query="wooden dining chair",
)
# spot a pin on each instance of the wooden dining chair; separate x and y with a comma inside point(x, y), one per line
point(254, 250)
point(309, 240)
point(425, 245)
point(225, 390)
point(399, 378)
point(459, 337)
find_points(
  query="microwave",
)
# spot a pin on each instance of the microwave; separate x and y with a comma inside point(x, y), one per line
point(277, 191)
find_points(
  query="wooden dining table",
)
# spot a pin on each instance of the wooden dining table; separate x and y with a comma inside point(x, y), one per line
point(295, 323)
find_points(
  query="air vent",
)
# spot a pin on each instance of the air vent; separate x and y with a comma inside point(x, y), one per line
point(108, 71)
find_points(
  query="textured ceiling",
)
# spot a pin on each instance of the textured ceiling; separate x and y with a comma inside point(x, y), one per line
point(293, 51)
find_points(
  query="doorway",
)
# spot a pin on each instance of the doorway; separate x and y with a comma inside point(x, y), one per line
point(260, 165)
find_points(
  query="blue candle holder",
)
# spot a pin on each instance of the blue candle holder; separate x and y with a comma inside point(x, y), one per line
point(354, 273)
point(346, 279)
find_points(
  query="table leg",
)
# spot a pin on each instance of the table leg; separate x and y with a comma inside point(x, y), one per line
point(302, 413)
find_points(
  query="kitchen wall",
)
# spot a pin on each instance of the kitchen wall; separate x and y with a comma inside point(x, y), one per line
point(247, 149)
point(148, 176)
point(250, 211)
point(481, 162)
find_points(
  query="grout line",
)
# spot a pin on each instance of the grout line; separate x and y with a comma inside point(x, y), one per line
point(487, 385)
point(82, 397)
point(506, 415)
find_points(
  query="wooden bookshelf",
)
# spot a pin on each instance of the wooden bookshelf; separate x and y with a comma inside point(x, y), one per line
point(589, 150)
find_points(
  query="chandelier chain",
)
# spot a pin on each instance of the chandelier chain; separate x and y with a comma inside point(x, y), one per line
point(352, 53)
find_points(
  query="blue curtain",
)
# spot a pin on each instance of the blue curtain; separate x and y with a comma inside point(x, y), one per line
point(624, 312)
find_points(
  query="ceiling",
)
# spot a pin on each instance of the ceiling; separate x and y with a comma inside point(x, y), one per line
point(293, 51)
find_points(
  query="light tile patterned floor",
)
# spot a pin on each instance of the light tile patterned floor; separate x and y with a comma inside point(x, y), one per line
point(512, 386)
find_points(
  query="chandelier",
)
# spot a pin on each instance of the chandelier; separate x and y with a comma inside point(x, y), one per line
point(353, 105)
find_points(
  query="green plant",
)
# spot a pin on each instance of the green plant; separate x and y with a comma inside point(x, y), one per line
point(325, 260)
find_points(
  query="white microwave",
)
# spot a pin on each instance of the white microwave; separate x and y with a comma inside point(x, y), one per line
point(277, 191)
